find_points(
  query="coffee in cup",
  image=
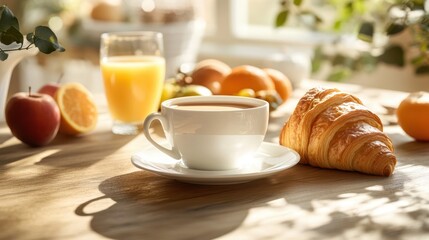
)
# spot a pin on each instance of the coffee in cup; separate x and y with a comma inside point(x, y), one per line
point(211, 132)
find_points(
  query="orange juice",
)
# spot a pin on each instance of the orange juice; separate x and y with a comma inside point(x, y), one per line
point(133, 86)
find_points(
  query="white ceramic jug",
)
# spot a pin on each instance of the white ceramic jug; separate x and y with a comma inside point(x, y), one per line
point(6, 68)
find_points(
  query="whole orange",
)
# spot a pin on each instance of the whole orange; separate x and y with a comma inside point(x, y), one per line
point(246, 76)
point(282, 83)
point(413, 115)
point(210, 73)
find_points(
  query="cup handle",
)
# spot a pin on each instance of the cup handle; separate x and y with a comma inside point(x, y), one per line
point(173, 152)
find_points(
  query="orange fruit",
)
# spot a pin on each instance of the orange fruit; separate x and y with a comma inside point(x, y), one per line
point(78, 110)
point(246, 76)
point(107, 11)
point(210, 73)
point(282, 83)
point(413, 115)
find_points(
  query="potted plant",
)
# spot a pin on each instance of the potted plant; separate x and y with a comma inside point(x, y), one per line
point(15, 46)
point(390, 34)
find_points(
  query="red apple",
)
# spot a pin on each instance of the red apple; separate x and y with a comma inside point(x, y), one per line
point(50, 89)
point(33, 118)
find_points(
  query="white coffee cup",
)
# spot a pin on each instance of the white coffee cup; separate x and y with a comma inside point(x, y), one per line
point(211, 132)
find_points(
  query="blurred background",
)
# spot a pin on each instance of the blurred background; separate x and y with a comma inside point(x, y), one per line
point(373, 43)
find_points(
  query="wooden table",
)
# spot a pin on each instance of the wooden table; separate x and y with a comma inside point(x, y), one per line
point(87, 188)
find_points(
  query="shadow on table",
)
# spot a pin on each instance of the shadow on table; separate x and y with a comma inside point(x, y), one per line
point(4, 137)
point(150, 207)
point(95, 146)
point(359, 206)
point(61, 152)
point(410, 149)
point(312, 202)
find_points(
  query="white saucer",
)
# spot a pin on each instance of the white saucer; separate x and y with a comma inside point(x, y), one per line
point(268, 160)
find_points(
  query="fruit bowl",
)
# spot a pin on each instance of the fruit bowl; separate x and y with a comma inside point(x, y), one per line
point(214, 77)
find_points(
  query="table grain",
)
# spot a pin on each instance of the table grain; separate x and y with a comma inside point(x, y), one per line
point(86, 188)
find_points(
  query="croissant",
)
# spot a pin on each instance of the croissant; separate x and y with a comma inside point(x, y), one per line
point(333, 129)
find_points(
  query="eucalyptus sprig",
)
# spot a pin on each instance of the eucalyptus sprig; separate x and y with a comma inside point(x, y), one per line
point(42, 37)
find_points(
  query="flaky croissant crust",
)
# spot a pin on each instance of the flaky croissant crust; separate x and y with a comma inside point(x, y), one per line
point(332, 129)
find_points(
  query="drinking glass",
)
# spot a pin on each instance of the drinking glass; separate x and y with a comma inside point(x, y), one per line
point(133, 70)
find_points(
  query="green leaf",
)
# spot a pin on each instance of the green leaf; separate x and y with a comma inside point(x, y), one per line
point(424, 69)
point(338, 24)
point(424, 22)
point(7, 19)
point(370, 62)
point(393, 55)
point(364, 62)
point(30, 37)
point(46, 40)
point(3, 56)
point(339, 74)
point(11, 35)
point(43, 37)
point(310, 13)
point(424, 46)
point(317, 59)
point(394, 28)
point(366, 31)
point(281, 18)
point(418, 60)
point(297, 2)
point(347, 11)
point(416, 4)
point(359, 6)
point(318, 18)
point(338, 60)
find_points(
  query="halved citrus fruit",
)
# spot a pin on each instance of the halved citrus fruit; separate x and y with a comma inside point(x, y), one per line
point(78, 110)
